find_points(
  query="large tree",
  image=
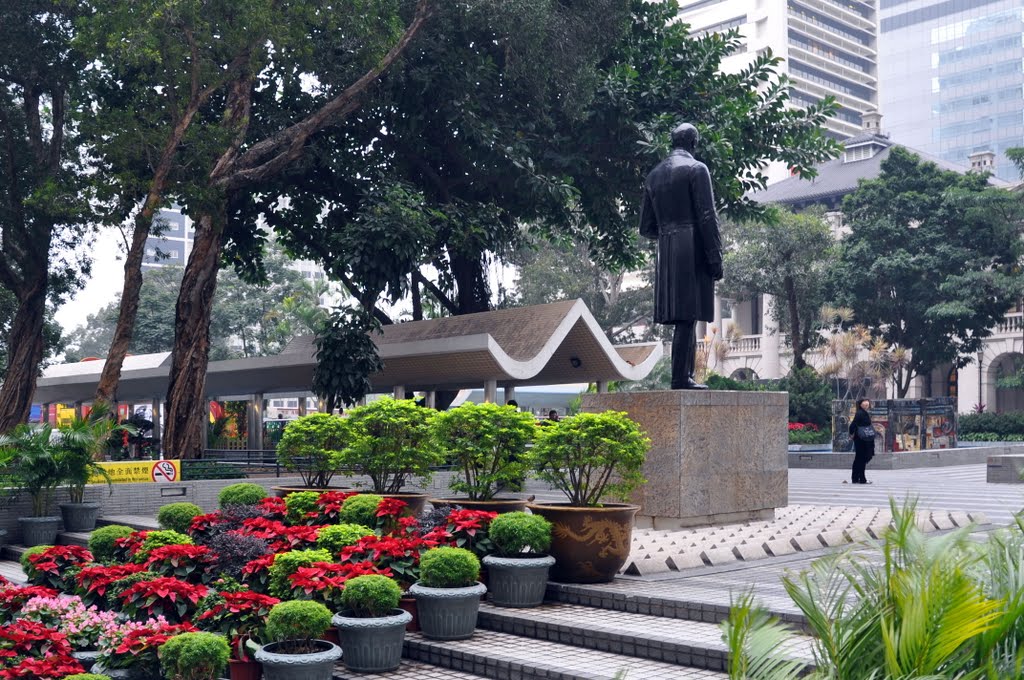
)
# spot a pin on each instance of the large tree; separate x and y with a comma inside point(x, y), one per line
point(932, 261)
point(44, 207)
point(787, 256)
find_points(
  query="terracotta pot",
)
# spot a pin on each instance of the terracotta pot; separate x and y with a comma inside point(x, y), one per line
point(285, 491)
point(408, 603)
point(245, 670)
point(495, 505)
point(589, 545)
point(416, 501)
point(331, 635)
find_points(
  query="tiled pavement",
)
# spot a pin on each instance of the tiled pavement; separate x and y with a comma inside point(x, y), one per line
point(409, 670)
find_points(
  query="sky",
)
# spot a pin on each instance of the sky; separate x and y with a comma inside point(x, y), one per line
point(107, 280)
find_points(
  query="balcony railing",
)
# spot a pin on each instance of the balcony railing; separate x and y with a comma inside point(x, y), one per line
point(1012, 324)
point(747, 344)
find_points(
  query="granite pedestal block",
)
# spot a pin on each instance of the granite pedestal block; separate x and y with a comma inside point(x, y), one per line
point(716, 456)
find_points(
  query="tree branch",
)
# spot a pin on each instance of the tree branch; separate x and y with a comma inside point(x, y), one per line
point(271, 155)
point(354, 289)
point(436, 292)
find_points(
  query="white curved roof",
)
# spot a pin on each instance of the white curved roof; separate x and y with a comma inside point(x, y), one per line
point(549, 344)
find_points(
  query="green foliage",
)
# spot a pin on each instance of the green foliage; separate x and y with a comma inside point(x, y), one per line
point(371, 596)
point(449, 568)
point(312, 446)
point(990, 437)
point(1002, 424)
point(787, 256)
point(517, 532)
point(86, 676)
point(337, 536)
point(82, 443)
point(300, 504)
point(945, 248)
point(487, 442)
point(178, 516)
point(101, 541)
point(195, 656)
point(822, 436)
point(157, 539)
point(296, 623)
point(1016, 156)
point(115, 589)
point(285, 565)
point(28, 461)
point(245, 493)
point(346, 356)
point(810, 397)
point(360, 509)
point(720, 382)
point(26, 566)
point(754, 638)
point(591, 455)
point(391, 443)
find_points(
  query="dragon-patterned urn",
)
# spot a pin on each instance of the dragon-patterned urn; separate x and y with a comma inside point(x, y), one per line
point(589, 545)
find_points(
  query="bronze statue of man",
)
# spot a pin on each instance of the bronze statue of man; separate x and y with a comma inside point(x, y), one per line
point(679, 210)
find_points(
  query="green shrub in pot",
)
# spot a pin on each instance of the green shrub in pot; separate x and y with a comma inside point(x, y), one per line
point(390, 443)
point(178, 516)
point(360, 509)
point(370, 625)
point(101, 541)
point(449, 568)
point(312, 446)
point(371, 596)
point(517, 533)
point(194, 656)
point(337, 536)
point(518, 575)
point(486, 443)
point(295, 625)
point(244, 493)
point(448, 593)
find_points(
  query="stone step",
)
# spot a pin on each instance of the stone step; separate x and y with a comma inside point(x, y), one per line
point(12, 552)
point(80, 538)
point(137, 522)
point(409, 670)
point(688, 643)
point(12, 571)
point(502, 656)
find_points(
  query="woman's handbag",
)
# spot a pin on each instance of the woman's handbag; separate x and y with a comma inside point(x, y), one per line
point(866, 432)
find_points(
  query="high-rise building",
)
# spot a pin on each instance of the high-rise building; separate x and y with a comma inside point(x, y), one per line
point(174, 243)
point(952, 74)
point(829, 47)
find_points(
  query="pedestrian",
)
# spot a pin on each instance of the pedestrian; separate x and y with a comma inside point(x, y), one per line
point(863, 433)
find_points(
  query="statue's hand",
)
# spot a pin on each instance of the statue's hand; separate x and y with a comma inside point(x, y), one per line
point(716, 271)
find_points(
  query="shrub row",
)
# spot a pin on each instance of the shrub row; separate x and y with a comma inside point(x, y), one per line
point(1001, 424)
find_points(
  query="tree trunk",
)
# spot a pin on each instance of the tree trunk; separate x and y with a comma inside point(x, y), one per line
point(186, 391)
point(795, 338)
point(470, 283)
point(26, 346)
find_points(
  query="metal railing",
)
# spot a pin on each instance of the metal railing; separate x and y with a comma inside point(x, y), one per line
point(231, 464)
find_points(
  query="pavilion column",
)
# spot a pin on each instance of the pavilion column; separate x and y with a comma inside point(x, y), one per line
point(158, 414)
point(80, 409)
point(302, 405)
point(602, 386)
point(254, 412)
point(431, 399)
point(204, 431)
point(509, 392)
point(398, 392)
point(44, 415)
point(491, 391)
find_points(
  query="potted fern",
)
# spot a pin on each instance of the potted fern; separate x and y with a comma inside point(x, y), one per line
point(486, 443)
point(81, 445)
point(518, 575)
point(590, 456)
point(371, 626)
point(29, 462)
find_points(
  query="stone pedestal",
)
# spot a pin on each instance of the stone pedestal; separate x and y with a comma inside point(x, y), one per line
point(716, 456)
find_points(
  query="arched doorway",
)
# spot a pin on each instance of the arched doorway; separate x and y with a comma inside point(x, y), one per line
point(1006, 372)
point(745, 374)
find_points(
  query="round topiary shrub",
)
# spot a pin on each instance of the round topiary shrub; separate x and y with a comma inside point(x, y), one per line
point(245, 493)
point(101, 541)
point(360, 509)
point(371, 596)
point(300, 504)
point(294, 624)
point(194, 656)
point(449, 568)
point(26, 566)
point(156, 539)
point(337, 536)
point(518, 532)
point(178, 516)
point(285, 564)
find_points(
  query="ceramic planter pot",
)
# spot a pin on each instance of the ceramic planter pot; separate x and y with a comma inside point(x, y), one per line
point(318, 665)
point(517, 581)
point(3, 537)
point(408, 604)
point(144, 672)
point(416, 501)
point(372, 645)
point(245, 670)
point(494, 505)
point(80, 516)
point(86, 657)
point(589, 545)
point(447, 613)
point(39, 530)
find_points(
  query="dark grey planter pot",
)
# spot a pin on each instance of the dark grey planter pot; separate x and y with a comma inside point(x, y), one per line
point(447, 613)
point(87, 658)
point(315, 666)
point(517, 581)
point(80, 516)
point(372, 645)
point(137, 673)
point(39, 530)
point(3, 537)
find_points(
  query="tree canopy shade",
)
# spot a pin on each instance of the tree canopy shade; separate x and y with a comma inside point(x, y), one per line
point(932, 261)
point(44, 204)
point(787, 256)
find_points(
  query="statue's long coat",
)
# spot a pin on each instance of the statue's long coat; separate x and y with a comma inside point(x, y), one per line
point(679, 210)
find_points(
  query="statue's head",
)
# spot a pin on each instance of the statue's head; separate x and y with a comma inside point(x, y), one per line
point(685, 137)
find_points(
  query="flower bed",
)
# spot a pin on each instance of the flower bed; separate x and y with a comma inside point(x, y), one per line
point(160, 584)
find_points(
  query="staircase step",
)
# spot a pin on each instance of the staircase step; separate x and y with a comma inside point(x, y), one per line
point(12, 571)
point(12, 552)
point(137, 522)
point(502, 656)
point(80, 538)
point(688, 643)
point(409, 670)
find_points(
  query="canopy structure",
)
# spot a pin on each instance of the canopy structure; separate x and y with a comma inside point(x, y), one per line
point(549, 344)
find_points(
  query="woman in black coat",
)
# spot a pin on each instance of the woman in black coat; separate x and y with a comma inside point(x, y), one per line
point(864, 447)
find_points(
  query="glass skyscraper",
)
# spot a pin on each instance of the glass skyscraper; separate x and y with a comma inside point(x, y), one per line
point(952, 77)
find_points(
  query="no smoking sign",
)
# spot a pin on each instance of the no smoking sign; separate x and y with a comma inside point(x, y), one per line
point(163, 471)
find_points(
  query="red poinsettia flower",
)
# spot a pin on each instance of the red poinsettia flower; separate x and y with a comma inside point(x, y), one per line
point(391, 507)
point(262, 527)
point(12, 598)
point(296, 537)
point(273, 507)
point(95, 580)
point(46, 668)
point(144, 639)
point(201, 524)
point(329, 505)
point(50, 567)
point(128, 546)
point(167, 596)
